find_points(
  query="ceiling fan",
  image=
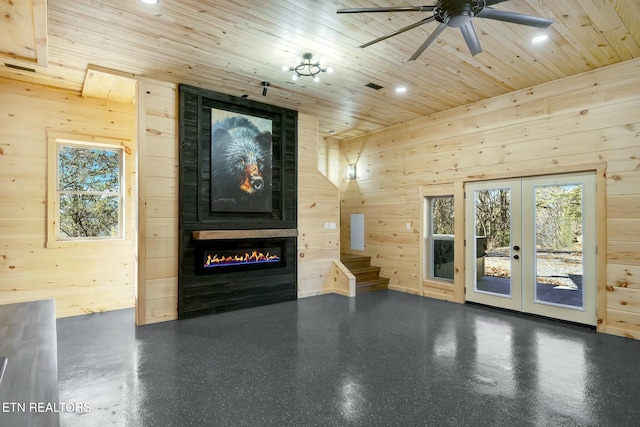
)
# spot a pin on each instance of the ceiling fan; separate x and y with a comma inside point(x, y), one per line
point(456, 14)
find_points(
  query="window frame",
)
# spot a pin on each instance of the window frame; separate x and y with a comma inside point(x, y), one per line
point(435, 288)
point(56, 140)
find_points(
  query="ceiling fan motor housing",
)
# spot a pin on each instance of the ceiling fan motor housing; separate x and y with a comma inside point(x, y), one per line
point(457, 13)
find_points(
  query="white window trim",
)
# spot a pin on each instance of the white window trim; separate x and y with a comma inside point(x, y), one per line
point(55, 140)
point(441, 289)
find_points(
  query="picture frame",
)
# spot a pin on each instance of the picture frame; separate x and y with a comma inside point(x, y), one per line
point(241, 162)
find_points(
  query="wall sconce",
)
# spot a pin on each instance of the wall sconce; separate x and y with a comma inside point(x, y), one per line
point(350, 172)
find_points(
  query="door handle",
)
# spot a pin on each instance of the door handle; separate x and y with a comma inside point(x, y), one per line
point(516, 248)
point(516, 257)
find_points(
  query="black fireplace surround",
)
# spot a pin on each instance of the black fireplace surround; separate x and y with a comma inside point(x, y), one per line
point(226, 237)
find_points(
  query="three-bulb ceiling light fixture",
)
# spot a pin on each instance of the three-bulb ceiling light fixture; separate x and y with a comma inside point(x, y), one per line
point(306, 68)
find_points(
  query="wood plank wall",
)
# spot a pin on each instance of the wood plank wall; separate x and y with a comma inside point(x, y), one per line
point(157, 298)
point(82, 279)
point(592, 118)
point(318, 203)
point(158, 207)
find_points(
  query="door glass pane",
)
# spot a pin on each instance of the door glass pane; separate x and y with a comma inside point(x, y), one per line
point(493, 241)
point(558, 234)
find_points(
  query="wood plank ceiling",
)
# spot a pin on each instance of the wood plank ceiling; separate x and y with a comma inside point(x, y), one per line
point(232, 46)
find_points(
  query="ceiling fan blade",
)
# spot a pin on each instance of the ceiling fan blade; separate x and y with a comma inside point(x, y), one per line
point(471, 38)
point(514, 18)
point(387, 9)
point(401, 30)
point(434, 35)
point(492, 2)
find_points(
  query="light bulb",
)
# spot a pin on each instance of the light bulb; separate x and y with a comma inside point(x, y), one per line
point(294, 77)
point(540, 38)
point(329, 70)
point(316, 79)
point(285, 68)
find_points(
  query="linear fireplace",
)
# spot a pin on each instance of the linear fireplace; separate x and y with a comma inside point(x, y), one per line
point(222, 256)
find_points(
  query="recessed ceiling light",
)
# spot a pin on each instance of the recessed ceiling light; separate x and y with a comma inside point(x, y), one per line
point(539, 39)
point(150, 1)
point(401, 89)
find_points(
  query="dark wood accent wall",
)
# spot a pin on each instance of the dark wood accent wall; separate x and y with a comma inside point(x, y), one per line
point(198, 295)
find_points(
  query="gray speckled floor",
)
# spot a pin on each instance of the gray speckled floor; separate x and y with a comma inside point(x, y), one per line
point(383, 359)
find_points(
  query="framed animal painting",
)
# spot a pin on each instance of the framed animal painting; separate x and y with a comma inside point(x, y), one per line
point(241, 162)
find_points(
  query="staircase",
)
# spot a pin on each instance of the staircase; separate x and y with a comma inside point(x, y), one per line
point(367, 276)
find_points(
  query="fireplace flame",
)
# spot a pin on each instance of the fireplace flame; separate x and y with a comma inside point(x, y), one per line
point(255, 257)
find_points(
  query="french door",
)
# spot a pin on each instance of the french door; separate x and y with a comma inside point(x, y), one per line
point(531, 245)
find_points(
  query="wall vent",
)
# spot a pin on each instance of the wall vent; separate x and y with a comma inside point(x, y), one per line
point(18, 67)
point(373, 86)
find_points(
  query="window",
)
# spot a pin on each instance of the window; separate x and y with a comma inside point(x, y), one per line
point(440, 222)
point(86, 199)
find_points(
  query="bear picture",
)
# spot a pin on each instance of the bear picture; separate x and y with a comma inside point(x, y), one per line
point(241, 151)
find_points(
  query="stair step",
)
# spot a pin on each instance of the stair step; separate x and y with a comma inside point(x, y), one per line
point(367, 276)
point(364, 274)
point(355, 261)
point(372, 285)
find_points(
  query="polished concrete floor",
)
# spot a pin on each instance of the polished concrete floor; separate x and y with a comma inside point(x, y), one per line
point(381, 359)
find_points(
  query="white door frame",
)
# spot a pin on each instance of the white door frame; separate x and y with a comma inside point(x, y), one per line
point(513, 301)
point(587, 313)
point(523, 273)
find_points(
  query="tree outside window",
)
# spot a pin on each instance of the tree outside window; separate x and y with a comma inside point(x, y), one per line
point(89, 192)
point(440, 238)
